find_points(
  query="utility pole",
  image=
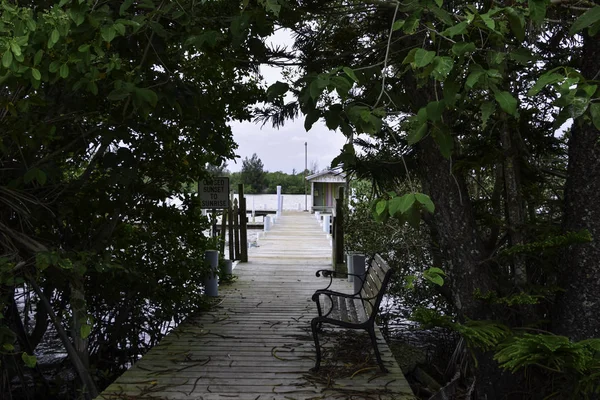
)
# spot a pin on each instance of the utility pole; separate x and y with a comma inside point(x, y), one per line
point(305, 172)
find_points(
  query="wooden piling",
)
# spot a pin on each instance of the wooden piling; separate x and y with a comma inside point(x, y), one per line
point(222, 233)
point(337, 232)
point(236, 230)
point(243, 226)
point(231, 235)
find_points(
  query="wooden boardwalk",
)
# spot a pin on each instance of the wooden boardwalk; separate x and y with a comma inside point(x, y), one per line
point(256, 344)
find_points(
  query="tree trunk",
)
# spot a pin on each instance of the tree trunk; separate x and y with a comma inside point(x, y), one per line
point(577, 308)
point(454, 223)
point(515, 215)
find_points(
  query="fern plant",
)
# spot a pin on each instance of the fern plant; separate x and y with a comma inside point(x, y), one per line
point(576, 365)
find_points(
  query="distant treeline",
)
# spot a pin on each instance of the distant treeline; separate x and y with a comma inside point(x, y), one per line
point(258, 181)
point(290, 183)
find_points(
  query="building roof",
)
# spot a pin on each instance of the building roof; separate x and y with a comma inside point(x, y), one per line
point(338, 174)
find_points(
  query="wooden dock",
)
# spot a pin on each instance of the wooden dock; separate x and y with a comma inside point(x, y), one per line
point(256, 344)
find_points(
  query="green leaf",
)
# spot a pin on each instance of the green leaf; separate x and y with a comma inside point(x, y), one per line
point(63, 2)
point(381, 206)
point(406, 202)
point(517, 23)
point(416, 135)
point(488, 21)
point(16, 49)
point(277, 89)
point(442, 67)
point(314, 89)
point(457, 29)
point(118, 94)
point(312, 116)
point(586, 19)
point(38, 57)
point(85, 331)
point(64, 71)
point(444, 141)
point(148, 96)
point(36, 74)
point(119, 28)
point(435, 109)
point(425, 201)
point(522, 56)
point(473, 78)
point(84, 48)
point(125, 6)
point(76, 16)
point(439, 3)
point(412, 23)
point(423, 57)
point(537, 10)
point(273, 6)
point(507, 102)
point(30, 361)
point(451, 89)
point(108, 33)
point(595, 112)
point(342, 85)
point(487, 109)
point(54, 37)
point(460, 48)
point(436, 270)
point(394, 205)
point(398, 25)
point(8, 347)
point(410, 281)
point(548, 78)
point(350, 73)
point(54, 66)
point(434, 278)
point(7, 59)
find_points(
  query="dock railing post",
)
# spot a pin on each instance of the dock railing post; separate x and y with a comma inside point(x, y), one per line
point(231, 235)
point(327, 223)
point(236, 230)
point(211, 287)
point(243, 226)
point(337, 233)
point(222, 233)
point(359, 268)
point(279, 203)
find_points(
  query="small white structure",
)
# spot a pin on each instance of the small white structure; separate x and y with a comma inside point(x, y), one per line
point(324, 189)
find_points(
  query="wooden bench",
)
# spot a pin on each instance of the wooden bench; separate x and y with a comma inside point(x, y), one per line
point(352, 311)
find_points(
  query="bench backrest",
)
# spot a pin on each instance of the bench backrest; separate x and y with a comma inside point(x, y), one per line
point(377, 278)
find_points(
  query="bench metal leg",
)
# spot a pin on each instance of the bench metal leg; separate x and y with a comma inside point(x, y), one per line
point(371, 331)
point(315, 325)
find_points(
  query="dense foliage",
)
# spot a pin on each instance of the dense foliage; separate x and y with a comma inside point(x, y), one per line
point(456, 108)
point(108, 109)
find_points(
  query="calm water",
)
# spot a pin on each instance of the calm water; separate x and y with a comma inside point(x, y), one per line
point(269, 201)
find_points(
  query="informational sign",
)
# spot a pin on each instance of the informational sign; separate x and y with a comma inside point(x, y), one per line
point(214, 193)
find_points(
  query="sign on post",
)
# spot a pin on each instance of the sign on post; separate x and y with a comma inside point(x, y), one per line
point(214, 192)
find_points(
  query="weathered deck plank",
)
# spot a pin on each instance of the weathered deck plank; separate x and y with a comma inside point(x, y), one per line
point(257, 344)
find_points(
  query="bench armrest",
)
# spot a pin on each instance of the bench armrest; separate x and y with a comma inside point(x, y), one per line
point(327, 273)
point(331, 293)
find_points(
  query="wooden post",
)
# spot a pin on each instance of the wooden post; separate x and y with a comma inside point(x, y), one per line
point(338, 233)
point(222, 233)
point(243, 226)
point(236, 230)
point(213, 218)
point(231, 235)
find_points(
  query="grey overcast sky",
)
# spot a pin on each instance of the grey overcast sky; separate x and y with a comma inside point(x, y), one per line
point(283, 149)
